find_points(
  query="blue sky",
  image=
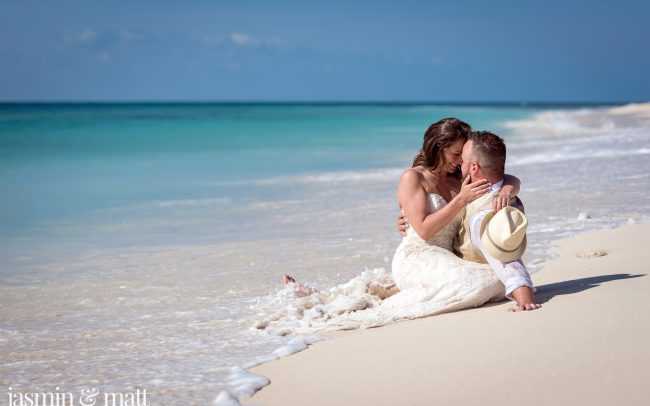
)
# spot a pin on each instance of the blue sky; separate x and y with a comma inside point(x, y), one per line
point(569, 50)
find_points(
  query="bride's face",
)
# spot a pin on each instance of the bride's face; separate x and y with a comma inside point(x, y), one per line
point(453, 156)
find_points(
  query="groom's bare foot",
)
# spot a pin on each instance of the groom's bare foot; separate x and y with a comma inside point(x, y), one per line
point(383, 292)
point(525, 299)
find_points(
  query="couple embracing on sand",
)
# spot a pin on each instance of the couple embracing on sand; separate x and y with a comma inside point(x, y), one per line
point(464, 234)
point(464, 238)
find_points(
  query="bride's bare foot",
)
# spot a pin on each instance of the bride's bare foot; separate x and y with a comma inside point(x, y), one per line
point(288, 279)
point(298, 289)
point(525, 300)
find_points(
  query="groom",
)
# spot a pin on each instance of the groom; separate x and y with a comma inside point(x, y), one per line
point(484, 157)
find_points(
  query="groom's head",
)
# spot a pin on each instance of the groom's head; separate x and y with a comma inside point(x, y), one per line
point(484, 156)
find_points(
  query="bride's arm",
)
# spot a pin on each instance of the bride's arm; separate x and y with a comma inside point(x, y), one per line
point(413, 200)
point(508, 192)
point(511, 186)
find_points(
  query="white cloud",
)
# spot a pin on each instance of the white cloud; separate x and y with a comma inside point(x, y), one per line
point(242, 39)
point(86, 37)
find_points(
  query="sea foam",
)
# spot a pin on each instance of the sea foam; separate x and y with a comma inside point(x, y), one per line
point(581, 122)
point(383, 174)
point(243, 383)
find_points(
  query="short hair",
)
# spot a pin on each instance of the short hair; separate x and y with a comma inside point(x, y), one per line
point(489, 151)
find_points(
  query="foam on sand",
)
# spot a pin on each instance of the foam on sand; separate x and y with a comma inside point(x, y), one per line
point(243, 383)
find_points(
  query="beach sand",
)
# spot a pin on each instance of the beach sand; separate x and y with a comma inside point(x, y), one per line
point(589, 344)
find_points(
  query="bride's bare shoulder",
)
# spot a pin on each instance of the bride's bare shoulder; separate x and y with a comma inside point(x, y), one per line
point(412, 177)
point(419, 176)
point(411, 174)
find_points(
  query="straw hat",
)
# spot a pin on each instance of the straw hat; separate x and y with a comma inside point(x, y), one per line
point(503, 235)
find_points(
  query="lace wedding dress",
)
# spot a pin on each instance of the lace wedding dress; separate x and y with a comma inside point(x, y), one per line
point(430, 276)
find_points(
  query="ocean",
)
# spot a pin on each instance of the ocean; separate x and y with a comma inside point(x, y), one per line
point(141, 244)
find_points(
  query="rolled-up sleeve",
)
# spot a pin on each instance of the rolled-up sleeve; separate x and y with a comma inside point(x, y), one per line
point(513, 274)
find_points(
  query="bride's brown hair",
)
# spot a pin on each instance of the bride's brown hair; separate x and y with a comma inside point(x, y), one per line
point(440, 135)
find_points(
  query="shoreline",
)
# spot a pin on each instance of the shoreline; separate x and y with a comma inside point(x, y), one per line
point(193, 267)
point(586, 345)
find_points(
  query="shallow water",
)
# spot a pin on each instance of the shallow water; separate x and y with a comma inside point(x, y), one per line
point(144, 261)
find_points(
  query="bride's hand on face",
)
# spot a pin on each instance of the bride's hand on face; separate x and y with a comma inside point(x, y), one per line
point(472, 191)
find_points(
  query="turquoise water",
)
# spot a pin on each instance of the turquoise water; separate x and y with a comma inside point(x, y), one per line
point(66, 163)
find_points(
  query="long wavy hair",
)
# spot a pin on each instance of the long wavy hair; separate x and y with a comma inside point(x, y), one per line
point(440, 135)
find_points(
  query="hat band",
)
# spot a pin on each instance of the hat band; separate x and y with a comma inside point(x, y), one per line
point(487, 231)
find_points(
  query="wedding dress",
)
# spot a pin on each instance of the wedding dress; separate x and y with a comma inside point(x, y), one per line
point(432, 277)
point(432, 280)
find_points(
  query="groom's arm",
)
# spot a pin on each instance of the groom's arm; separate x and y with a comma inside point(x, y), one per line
point(513, 274)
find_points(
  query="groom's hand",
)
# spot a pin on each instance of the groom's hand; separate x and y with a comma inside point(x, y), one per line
point(402, 223)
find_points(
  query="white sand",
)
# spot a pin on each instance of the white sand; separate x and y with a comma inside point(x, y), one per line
point(590, 344)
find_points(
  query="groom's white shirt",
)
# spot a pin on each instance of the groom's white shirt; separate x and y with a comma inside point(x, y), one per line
point(513, 274)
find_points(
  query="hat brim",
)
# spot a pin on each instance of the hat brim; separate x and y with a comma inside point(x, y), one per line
point(493, 250)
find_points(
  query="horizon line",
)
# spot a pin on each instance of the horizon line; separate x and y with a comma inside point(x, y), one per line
point(326, 102)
